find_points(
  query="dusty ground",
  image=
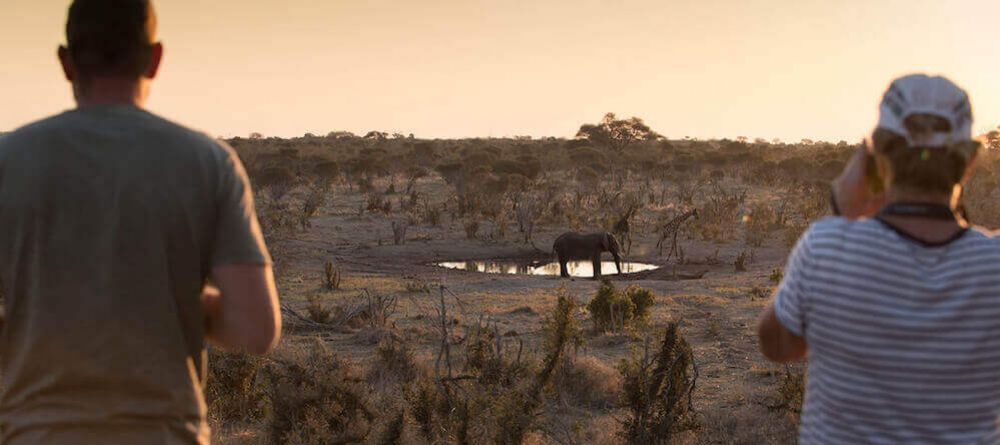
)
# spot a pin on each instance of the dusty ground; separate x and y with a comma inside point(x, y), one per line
point(735, 384)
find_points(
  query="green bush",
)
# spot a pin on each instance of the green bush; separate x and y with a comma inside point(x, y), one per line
point(777, 274)
point(643, 299)
point(614, 310)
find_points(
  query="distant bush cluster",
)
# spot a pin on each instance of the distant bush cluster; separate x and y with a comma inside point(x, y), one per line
point(617, 173)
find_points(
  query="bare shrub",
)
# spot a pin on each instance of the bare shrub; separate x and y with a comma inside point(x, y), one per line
point(377, 309)
point(232, 391)
point(500, 225)
point(432, 215)
point(741, 261)
point(277, 181)
point(377, 202)
point(714, 329)
point(276, 220)
point(792, 233)
point(657, 391)
point(417, 285)
point(394, 364)
point(746, 425)
point(791, 390)
point(761, 219)
point(719, 213)
point(317, 398)
point(399, 232)
point(758, 293)
point(311, 205)
point(527, 214)
point(392, 431)
point(499, 397)
point(331, 276)
point(318, 312)
point(516, 411)
point(686, 191)
point(472, 229)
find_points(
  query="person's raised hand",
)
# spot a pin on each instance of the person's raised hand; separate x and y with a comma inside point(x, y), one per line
point(851, 192)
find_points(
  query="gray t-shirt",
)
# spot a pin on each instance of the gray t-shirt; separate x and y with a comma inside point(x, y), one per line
point(111, 219)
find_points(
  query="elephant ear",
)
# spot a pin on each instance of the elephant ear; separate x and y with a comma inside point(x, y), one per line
point(609, 241)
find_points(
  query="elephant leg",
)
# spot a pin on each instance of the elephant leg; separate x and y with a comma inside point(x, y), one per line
point(597, 266)
point(563, 270)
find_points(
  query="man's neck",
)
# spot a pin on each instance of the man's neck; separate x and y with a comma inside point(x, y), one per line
point(110, 91)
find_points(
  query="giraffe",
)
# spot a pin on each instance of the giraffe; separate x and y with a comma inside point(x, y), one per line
point(670, 230)
point(623, 229)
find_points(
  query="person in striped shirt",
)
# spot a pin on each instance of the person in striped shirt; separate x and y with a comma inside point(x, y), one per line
point(895, 302)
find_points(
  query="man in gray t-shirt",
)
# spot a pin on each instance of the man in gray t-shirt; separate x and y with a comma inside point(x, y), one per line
point(113, 221)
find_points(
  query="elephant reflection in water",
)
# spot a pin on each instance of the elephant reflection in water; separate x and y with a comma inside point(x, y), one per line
point(574, 246)
point(498, 267)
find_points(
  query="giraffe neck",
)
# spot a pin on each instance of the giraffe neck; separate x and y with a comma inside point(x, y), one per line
point(676, 223)
point(680, 219)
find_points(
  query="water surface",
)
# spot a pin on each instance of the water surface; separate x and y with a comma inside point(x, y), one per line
point(582, 269)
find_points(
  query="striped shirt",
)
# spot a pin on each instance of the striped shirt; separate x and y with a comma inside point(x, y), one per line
point(904, 337)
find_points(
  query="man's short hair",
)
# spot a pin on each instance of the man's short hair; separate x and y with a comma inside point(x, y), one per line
point(110, 37)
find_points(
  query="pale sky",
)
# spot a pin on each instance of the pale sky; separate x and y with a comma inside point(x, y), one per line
point(789, 69)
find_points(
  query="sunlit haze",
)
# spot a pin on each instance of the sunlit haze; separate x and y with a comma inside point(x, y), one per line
point(465, 68)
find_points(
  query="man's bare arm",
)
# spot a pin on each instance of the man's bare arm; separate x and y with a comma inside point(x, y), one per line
point(243, 312)
point(777, 343)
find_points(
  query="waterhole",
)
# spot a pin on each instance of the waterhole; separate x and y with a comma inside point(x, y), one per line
point(582, 269)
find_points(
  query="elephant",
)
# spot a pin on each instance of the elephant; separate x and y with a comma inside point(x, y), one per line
point(572, 246)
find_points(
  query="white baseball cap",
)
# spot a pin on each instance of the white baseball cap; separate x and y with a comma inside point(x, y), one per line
point(922, 94)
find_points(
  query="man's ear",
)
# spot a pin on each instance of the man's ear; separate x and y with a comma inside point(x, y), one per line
point(155, 57)
point(67, 63)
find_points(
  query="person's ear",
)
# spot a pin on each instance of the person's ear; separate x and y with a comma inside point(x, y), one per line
point(155, 57)
point(67, 63)
point(970, 164)
point(882, 165)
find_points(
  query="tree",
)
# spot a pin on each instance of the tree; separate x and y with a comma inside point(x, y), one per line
point(617, 134)
point(993, 140)
point(341, 135)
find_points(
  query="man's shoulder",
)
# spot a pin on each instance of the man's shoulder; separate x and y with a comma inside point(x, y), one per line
point(33, 130)
point(183, 136)
point(168, 133)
